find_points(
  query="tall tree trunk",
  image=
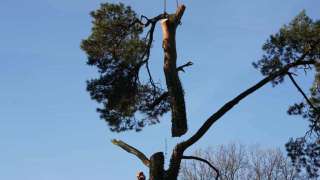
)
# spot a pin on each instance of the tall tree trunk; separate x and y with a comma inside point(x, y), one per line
point(175, 90)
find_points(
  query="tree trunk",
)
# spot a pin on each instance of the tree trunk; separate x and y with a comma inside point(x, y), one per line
point(175, 90)
point(157, 166)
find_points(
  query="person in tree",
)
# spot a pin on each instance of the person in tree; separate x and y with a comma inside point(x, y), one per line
point(141, 176)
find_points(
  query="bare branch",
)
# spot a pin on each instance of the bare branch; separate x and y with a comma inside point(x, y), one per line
point(205, 161)
point(301, 91)
point(132, 150)
point(180, 68)
point(312, 127)
point(229, 105)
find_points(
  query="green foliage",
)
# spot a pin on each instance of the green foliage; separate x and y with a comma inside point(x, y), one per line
point(298, 41)
point(300, 37)
point(305, 151)
point(116, 48)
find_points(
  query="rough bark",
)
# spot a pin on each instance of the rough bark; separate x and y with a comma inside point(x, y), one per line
point(156, 171)
point(175, 162)
point(175, 90)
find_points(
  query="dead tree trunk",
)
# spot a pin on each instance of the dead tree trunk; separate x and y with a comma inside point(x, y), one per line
point(156, 169)
point(175, 90)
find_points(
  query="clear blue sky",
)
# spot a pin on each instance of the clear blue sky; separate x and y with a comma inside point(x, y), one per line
point(49, 129)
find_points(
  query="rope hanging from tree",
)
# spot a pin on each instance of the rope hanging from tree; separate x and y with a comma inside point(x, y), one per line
point(165, 5)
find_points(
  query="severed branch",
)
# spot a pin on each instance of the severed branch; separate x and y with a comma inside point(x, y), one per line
point(180, 68)
point(179, 13)
point(132, 150)
point(174, 85)
point(205, 161)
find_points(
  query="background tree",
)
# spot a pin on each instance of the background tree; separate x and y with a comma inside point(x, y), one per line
point(237, 162)
point(116, 47)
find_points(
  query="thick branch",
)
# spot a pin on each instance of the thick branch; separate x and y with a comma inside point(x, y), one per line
point(132, 150)
point(229, 105)
point(301, 91)
point(205, 161)
point(179, 13)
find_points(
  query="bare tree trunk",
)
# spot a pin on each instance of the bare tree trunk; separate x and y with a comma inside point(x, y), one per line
point(176, 94)
point(156, 169)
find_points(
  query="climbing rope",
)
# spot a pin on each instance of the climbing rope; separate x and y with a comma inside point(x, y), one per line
point(165, 5)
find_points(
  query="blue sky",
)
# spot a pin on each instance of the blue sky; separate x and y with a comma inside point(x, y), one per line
point(49, 129)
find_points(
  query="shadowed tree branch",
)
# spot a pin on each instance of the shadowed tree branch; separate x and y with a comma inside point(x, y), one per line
point(229, 105)
point(132, 150)
point(301, 91)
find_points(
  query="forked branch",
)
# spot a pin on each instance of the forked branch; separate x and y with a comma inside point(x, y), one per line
point(181, 68)
point(229, 105)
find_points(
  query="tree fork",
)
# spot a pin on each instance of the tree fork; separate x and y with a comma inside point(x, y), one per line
point(175, 90)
